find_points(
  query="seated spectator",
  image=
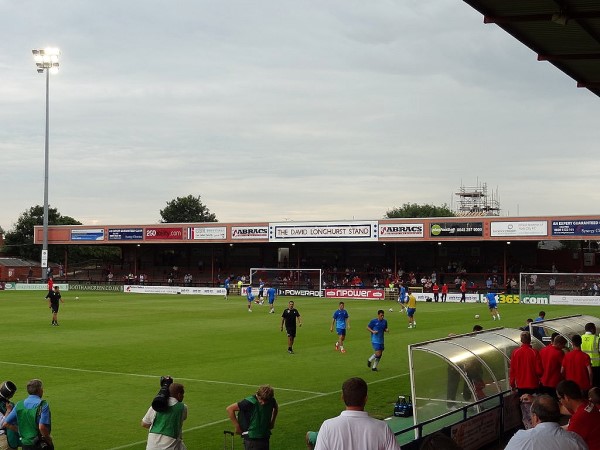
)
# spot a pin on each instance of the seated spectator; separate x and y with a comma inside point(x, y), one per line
point(526, 326)
point(594, 395)
point(546, 433)
point(311, 439)
point(585, 417)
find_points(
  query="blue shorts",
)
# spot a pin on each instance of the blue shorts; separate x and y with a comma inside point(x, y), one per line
point(250, 298)
point(401, 300)
point(271, 301)
point(377, 346)
point(411, 311)
point(493, 306)
point(340, 331)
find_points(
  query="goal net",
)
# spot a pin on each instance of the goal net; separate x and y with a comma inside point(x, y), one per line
point(311, 279)
point(556, 283)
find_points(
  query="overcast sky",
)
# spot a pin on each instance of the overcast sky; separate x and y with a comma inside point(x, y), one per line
point(276, 110)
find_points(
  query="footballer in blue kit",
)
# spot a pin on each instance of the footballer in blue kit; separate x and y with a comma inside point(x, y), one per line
point(402, 297)
point(227, 283)
point(377, 327)
point(271, 293)
point(492, 301)
point(249, 297)
point(261, 291)
point(341, 322)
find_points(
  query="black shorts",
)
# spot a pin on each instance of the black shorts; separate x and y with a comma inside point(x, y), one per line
point(54, 307)
point(291, 332)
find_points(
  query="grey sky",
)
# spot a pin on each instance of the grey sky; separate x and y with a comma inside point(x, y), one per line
point(273, 110)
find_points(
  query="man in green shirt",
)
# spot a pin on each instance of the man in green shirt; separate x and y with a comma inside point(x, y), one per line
point(255, 418)
point(166, 426)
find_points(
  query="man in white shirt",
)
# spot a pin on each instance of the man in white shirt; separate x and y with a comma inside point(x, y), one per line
point(353, 429)
point(546, 433)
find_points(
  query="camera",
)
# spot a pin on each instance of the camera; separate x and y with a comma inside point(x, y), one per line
point(7, 390)
point(161, 401)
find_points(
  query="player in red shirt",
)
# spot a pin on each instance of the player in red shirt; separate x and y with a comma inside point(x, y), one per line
point(585, 417)
point(444, 292)
point(577, 366)
point(552, 357)
point(436, 292)
point(463, 291)
point(525, 367)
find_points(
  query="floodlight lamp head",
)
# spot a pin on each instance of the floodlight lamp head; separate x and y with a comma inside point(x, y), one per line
point(560, 19)
point(46, 58)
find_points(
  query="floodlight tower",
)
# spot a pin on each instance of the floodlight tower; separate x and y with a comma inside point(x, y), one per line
point(46, 60)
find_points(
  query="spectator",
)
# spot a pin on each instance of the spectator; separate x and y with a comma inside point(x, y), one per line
point(463, 291)
point(546, 433)
point(526, 326)
point(576, 365)
point(552, 285)
point(311, 439)
point(444, 292)
point(552, 357)
point(9, 437)
point(255, 418)
point(589, 345)
point(585, 417)
point(166, 427)
point(513, 284)
point(594, 395)
point(32, 417)
point(353, 429)
point(525, 367)
point(436, 292)
point(538, 332)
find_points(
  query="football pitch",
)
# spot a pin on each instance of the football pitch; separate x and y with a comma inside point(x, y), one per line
point(101, 367)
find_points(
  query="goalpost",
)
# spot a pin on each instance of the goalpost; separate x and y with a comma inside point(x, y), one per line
point(558, 283)
point(287, 277)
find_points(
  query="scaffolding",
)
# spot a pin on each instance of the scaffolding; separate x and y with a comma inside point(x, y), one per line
point(476, 201)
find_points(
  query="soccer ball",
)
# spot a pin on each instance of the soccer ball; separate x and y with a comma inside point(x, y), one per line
point(391, 310)
point(76, 298)
point(477, 316)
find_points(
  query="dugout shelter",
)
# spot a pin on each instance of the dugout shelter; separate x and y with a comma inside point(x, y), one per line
point(460, 372)
point(565, 326)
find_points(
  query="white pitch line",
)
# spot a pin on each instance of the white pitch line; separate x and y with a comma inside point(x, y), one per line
point(199, 427)
point(105, 372)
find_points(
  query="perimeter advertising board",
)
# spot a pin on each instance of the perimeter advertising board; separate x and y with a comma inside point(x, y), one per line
point(93, 234)
point(125, 234)
point(576, 228)
point(360, 293)
point(250, 232)
point(510, 229)
point(324, 231)
point(206, 233)
point(401, 230)
point(456, 229)
point(173, 234)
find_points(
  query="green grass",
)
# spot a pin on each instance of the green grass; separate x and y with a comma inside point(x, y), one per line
point(101, 367)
